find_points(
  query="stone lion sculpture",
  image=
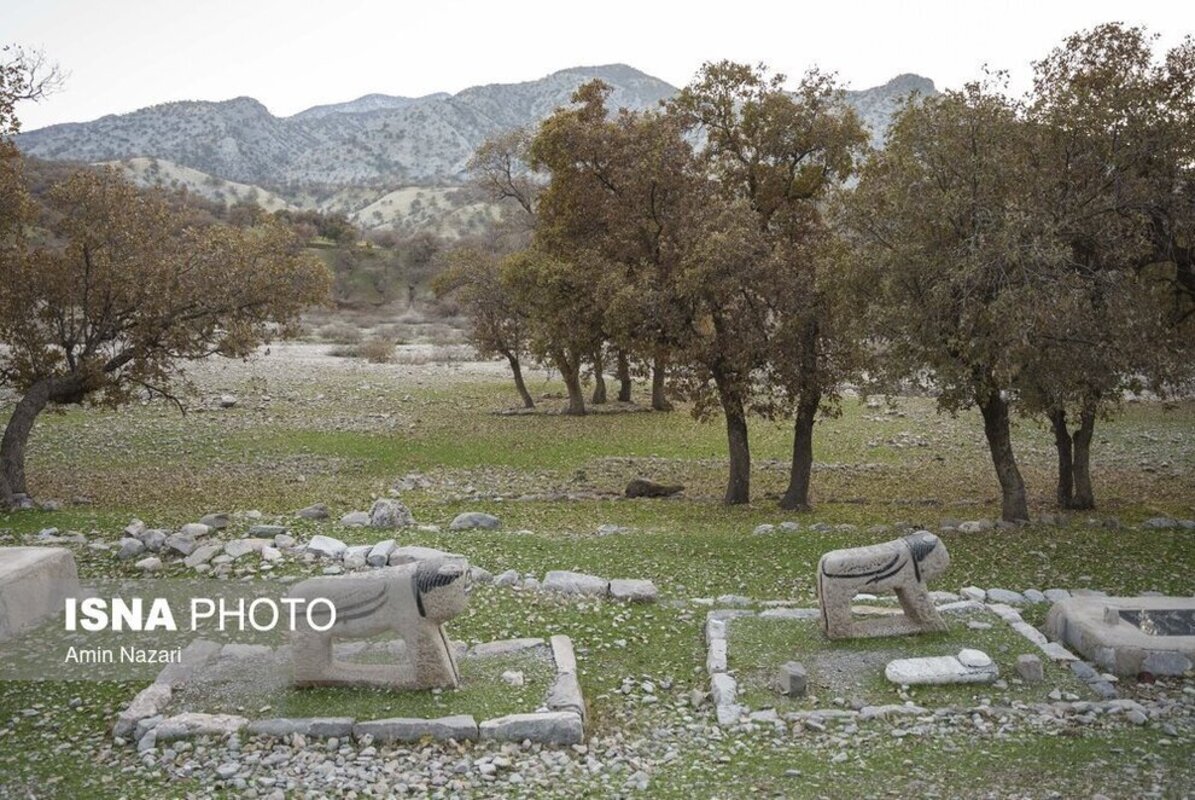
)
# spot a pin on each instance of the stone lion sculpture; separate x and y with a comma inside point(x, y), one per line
point(412, 600)
point(901, 566)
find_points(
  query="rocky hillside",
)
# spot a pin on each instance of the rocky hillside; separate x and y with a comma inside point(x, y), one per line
point(376, 140)
point(877, 106)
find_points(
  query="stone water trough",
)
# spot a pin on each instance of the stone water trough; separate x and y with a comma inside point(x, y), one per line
point(1128, 635)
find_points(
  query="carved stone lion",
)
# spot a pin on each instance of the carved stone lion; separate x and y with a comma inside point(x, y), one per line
point(412, 600)
point(901, 566)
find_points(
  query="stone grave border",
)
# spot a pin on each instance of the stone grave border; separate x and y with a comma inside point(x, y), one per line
point(562, 724)
point(724, 686)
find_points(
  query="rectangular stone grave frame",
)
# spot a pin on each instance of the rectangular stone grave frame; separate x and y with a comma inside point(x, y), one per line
point(562, 724)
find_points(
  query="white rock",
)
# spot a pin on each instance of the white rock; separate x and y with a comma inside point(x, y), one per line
point(326, 546)
point(355, 519)
point(195, 530)
point(379, 554)
point(632, 590)
point(567, 582)
point(974, 659)
point(474, 519)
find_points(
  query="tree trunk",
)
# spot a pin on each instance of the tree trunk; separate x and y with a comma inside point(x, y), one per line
point(624, 378)
point(796, 498)
point(517, 369)
point(738, 483)
point(1084, 495)
point(1062, 443)
point(16, 436)
point(1014, 507)
point(659, 401)
point(570, 370)
point(599, 380)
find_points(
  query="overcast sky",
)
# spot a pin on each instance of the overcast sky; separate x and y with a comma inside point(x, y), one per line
point(290, 54)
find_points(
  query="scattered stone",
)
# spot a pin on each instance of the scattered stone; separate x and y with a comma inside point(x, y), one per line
point(474, 519)
point(792, 679)
point(1030, 668)
point(154, 539)
point(1160, 523)
point(1055, 595)
point(792, 527)
point(641, 487)
point(508, 578)
point(764, 529)
point(151, 564)
point(610, 530)
point(317, 511)
point(355, 556)
point(567, 582)
point(973, 593)
point(355, 519)
point(1034, 596)
point(130, 548)
point(202, 555)
point(269, 553)
point(326, 546)
point(513, 678)
point(227, 401)
point(196, 530)
point(243, 547)
point(379, 554)
point(283, 541)
point(180, 543)
point(267, 531)
point(976, 526)
point(217, 521)
point(134, 528)
point(388, 514)
point(635, 591)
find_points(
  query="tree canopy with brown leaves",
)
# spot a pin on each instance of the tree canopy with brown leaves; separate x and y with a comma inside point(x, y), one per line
point(127, 294)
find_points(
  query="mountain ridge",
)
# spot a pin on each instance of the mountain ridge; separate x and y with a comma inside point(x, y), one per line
point(377, 140)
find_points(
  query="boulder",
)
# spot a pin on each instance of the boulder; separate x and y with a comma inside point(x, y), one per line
point(641, 487)
point(474, 519)
point(389, 514)
point(180, 543)
point(153, 539)
point(1030, 668)
point(130, 548)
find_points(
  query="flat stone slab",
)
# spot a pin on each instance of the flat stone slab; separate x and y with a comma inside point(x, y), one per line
point(633, 590)
point(552, 727)
point(969, 666)
point(319, 727)
point(461, 727)
point(567, 582)
point(186, 726)
point(1122, 634)
point(504, 646)
point(34, 583)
